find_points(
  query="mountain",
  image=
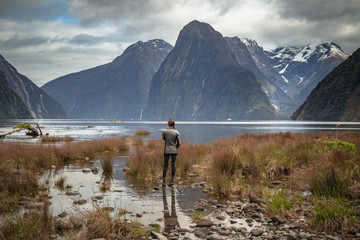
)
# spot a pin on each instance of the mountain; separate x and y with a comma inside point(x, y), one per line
point(337, 96)
point(12, 105)
point(37, 102)
point(201, 80)
point(302, 68)
point(116, 90)
point(241, 49)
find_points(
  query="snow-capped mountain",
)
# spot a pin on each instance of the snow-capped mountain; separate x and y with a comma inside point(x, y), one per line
point(303, 67)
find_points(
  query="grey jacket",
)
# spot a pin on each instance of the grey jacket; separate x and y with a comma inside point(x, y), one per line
point(172, 140)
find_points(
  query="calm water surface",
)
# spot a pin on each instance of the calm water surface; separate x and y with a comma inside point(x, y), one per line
point(193, 132)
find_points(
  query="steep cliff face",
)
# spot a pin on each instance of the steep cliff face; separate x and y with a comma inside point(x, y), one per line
point(337, 96)
point(117, 90)
point(12, 105)
point(241, 50)
point(38, 103)
point(201, 80)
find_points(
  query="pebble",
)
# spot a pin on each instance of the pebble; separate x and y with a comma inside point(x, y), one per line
point(257, 231)
point(204, 223)
point(86, 170)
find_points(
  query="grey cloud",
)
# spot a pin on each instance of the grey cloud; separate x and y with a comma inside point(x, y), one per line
point(17, 41)
point(30, 10)
point(85, 39)
point(320, 10)
point(91, 11)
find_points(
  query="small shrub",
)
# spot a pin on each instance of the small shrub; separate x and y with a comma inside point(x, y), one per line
point(278, 202)
point(107, 164)
point(60, 182)
point(32, 225)
point(332, 214)
point(142, 132)
point(329, 182)
point(196, 216)
point(341, 145)
point(224, 161)
point(46, 139)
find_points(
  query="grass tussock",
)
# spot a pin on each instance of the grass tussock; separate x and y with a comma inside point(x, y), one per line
point(146, 161)
point(142, 132)
point(101, 225)
point(60, 183)
point(51, 139)
point(32, 225)
point(278, 202)
point(332, 214)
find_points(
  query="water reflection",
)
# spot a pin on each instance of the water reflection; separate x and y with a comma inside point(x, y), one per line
point(170, 218)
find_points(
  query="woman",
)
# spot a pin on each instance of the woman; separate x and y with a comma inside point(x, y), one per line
point(172, 143)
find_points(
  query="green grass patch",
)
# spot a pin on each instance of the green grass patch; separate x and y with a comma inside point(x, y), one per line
point(278, 202)
point(332, 214)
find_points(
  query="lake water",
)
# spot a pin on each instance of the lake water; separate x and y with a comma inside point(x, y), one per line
point(193, 132)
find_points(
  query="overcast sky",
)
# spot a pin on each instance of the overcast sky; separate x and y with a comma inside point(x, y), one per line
point(45, 39)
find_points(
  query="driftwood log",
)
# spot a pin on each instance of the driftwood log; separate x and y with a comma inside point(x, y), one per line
point(32, 131)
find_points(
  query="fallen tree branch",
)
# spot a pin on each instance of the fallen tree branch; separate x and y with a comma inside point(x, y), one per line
point(32, 131)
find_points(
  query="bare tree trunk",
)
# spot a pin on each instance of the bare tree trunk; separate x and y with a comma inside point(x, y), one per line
point(32, 130)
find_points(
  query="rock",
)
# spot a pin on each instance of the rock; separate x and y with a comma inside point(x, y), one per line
point(291, 237)
point(257, 231)
point(126, 169)
point(63, 214)
point(204, 223)
point(214, 237)
point(202, 184)
point(100, 197)
point(72, 193)
point(276, 183)
point(87, 158)
point(158, 236)
point(156, 188)
point(243, 230)
point(254, 199)
point(139, 215)
point(86, 170)
point(80, 202)
point(233, 221)
point(220, 217)
point(95, 170)
point(305, 235)
point(229, 210)
point(201, 233)
point(69, 222)
point(111, 209)
point(192, 175)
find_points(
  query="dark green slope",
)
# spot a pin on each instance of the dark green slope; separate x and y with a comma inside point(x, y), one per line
point(337, 96)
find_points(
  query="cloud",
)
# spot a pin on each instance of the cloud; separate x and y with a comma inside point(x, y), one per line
point(49, 38)
point(347, 11)
point(32, 10)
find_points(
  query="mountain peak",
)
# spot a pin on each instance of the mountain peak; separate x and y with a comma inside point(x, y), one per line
point(198, 28)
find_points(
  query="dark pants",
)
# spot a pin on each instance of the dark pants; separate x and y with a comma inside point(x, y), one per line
point(166, 163)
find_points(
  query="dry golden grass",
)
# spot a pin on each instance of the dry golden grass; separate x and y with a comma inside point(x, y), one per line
point(142, 132)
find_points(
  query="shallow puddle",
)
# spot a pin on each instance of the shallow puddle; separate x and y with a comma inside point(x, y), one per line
point(145, 204)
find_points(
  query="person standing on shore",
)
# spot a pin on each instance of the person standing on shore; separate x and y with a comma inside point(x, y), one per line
point(172, 143)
